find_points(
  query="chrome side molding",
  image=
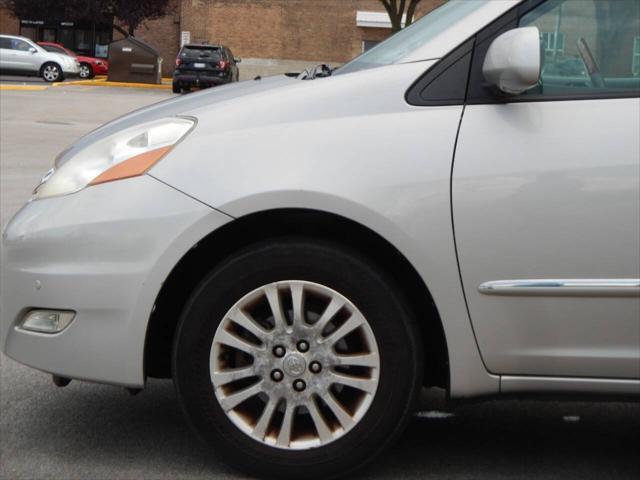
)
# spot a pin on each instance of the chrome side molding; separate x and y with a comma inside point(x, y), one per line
point(575, 287)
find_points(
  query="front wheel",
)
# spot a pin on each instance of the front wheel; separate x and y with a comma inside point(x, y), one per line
point(297, 359)
point(51, 72)
point(86, 71)
point(176, 88)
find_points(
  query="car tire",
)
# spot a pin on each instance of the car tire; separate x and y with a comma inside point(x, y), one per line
point(51, 72)
point(176, 88)
point(86, 71)
point(323, 272)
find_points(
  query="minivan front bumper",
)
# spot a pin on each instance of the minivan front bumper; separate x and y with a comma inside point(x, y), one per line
point(103, 253)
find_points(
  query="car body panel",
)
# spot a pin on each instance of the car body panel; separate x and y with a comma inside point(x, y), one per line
point(396, 184)
point(178, 106)
point(66, 253)
point(511, 384)
point(564, 208)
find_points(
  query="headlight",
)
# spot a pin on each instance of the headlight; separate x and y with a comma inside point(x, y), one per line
point(128, 153)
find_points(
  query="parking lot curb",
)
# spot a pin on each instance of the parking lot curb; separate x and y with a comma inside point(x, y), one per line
point(23, 87)
point(106, 83)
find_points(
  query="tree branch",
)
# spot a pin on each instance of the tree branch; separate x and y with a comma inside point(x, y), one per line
point(391, 11)
point(397, 11)
point(411, 11)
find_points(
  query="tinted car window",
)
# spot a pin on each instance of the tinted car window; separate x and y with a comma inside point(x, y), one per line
point(588, 46)
point(17, 44)
point(5, 43)
point(51, 48)
point(207, 53)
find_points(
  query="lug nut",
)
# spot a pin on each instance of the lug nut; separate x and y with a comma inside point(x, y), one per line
point(303, 346)
point(279, 351)
point(315, 367)
point(299, 385)
point(277, 375)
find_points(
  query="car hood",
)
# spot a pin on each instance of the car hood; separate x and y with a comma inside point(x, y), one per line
point(184, 105)
point(82, 58)
point(60, 57)
point(274, 102)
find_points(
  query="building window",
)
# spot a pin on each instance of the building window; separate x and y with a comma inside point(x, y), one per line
point(29, 32)
point(369, 44)
point(102, 40)
point(553, 43)
point(84, 38)
point(635, 64)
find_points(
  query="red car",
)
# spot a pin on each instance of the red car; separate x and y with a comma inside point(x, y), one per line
point(89, 66)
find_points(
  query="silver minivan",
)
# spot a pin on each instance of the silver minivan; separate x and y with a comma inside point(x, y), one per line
point(22, 56)
point(457, 207)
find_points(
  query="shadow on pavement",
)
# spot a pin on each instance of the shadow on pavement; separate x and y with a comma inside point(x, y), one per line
point(93, 431)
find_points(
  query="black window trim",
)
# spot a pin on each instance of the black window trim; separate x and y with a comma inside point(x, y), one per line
point(414, 93)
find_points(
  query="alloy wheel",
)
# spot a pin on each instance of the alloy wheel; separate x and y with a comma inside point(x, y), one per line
point(51, 73)
point(85, 71)
point(294, 365)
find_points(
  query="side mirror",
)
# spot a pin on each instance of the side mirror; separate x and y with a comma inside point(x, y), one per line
point(32, 50)
point(513, 61)
point(237, 60)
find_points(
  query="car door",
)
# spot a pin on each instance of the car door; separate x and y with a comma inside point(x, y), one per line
point(6, 55)
point(26, 59)
point(546, 198)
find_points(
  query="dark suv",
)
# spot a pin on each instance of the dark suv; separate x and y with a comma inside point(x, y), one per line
point(204, 66)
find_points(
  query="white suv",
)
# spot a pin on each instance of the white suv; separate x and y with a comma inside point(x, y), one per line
point(22, 56)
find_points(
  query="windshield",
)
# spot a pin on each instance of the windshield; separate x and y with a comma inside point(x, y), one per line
point(413, 37)
point(201, 51)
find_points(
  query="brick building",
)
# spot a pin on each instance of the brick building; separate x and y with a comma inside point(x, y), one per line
point(269, 35)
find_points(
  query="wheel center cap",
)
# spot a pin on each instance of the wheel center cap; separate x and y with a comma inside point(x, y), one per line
point(294, 365)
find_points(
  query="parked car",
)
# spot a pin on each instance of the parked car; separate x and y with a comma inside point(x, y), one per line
point(203, 66)
point(89, 66)
point(22, 56)
point(302, 255)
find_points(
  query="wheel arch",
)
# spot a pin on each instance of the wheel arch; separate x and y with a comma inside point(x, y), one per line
point(260, 226)
point(51, 62)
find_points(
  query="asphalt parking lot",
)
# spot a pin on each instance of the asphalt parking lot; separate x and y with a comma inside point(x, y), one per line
point(88, 431)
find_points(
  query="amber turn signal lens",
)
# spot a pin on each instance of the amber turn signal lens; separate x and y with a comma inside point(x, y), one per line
point(132, 167)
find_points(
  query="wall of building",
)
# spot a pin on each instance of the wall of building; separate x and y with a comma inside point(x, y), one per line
point(312, 30)
point(163, 34)
point(9, 24)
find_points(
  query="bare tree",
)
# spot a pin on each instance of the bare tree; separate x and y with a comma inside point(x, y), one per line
point(397, 9)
